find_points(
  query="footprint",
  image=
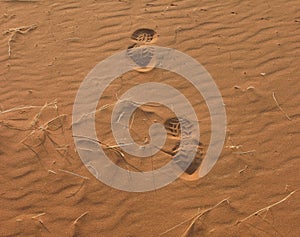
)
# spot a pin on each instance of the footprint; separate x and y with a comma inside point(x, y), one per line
point(173, 128)
point(142, 56)
point(144, 36)
point(182, 159)
point(140, 52)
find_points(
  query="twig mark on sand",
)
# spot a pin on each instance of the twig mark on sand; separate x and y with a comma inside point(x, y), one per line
point(286, 115)
point(265, 209)
point(14, 31)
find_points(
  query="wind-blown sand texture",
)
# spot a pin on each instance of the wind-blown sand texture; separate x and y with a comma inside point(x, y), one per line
point(251, 49)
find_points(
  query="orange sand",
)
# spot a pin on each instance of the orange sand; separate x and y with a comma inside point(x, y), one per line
point(251, 49)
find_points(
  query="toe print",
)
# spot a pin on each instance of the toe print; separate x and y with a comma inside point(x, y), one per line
point(144, 36)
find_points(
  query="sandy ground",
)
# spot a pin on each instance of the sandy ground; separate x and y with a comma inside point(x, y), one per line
point(251, 49)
